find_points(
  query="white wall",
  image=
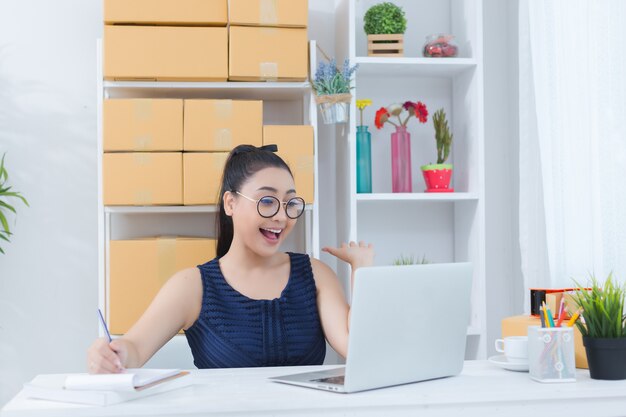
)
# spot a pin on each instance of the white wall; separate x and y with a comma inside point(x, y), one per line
point(48, 278)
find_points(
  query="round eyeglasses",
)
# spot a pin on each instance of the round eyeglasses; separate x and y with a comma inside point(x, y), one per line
point(269, 205)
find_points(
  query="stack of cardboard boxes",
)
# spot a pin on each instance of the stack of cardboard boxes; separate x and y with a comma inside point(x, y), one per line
point(206, 40)
point(166, 40)
point(267, 40)
point(173, 151)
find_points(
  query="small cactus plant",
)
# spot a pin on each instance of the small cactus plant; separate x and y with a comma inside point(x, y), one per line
point(442, 136)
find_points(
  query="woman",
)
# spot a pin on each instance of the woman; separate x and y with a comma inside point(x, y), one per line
point(252, 305)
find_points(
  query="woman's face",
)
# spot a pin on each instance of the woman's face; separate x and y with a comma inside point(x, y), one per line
point(263, 235)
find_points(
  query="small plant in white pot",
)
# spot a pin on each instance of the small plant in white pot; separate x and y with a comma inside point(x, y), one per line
point(437, 176)
point(332, 90)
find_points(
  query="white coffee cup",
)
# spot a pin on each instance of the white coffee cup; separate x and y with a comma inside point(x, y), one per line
point(515, 348)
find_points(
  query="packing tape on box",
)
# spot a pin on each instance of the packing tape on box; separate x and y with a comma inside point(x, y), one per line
point(142, 159)
point(305, 164)
point(267, 12)
point(223, 109)
point(166, 250)
point(223, 139)
point(143, 109)
point(142, 142)
point(268, 71)
point(143, 197)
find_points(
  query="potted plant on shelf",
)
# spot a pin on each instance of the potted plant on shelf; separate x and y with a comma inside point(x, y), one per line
point(332, 90)
point(437, 176)
point(5, 194)
point(385, 25)
point(363, 152)
point(401, 180)
point(410, 260)
point(603, 327)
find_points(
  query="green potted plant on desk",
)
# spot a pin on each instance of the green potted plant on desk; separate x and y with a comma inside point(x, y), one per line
point(437, 176)
point(603, 328)
point(385, 25)
point(5, 194)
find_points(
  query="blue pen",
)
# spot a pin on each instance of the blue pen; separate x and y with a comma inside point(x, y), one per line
point(104, 325)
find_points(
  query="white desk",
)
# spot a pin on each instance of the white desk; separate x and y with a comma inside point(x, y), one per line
point(481, 390)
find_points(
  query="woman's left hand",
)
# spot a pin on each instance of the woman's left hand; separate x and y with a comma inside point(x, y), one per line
point(357, 255)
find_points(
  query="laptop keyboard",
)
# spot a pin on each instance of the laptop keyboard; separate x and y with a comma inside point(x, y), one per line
point(337, 380)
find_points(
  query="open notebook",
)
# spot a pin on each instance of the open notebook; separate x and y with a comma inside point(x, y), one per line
point(105, 389)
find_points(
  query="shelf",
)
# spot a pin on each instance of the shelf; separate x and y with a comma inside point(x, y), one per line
point(473, 331)
point(281, 91)
point(406, 67)
point(168, 209)
point(417, 197)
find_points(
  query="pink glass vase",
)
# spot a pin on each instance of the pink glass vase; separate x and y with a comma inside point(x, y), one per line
point(401, 161)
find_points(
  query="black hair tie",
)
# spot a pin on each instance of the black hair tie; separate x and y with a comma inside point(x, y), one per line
point(241, 149)
point(270, 148)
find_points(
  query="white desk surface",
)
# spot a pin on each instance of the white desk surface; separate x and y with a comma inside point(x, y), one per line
point(481, 390)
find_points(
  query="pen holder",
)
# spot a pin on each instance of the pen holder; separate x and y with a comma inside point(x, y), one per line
point(551, 354)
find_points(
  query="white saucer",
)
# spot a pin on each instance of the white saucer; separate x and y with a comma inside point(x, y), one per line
point(500, 360)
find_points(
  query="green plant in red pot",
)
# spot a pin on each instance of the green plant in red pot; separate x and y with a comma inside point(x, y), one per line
point(437, 176)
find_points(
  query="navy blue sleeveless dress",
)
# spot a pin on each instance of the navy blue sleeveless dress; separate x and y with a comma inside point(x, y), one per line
point(235, 331)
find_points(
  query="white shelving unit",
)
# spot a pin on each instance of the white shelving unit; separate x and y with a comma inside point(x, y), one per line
point(443, 227)
point(284, 103)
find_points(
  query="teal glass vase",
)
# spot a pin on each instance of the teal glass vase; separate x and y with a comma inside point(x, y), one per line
point(363, 160)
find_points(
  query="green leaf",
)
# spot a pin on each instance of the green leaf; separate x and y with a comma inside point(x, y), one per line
point(7, 206)
point(3, 221)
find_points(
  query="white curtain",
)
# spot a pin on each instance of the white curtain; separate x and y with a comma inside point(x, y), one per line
point(572, 57)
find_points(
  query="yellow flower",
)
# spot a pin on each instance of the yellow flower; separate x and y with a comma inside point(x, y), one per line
point(363, 103)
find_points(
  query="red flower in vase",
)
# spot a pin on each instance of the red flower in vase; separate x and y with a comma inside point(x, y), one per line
point(382, 115)
point(421, 112)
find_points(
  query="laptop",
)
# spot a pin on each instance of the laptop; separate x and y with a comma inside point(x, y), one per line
point(407, 324)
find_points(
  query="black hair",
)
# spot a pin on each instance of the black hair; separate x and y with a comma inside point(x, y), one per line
point(243, 162)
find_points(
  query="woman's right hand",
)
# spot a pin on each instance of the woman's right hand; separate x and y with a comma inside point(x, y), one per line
point(107, 358)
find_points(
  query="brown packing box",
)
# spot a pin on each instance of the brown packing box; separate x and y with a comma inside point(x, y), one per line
point(220, 125)
point(296, 147)
point(142, 125)
point(202, 177)
point(286, 13)
point(138, 268)
point(261, 54)
point(518, 326)
point(165, 53)
point(142, 178)
point(166, 12)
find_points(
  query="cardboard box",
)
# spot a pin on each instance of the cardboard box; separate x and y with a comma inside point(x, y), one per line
point(518, 326)
point(267, 54)
point(165, 53)
point(220, 125)
point(142, 178)
point(285, 13)
point(138, 269)
point(296, 146)
point(142, 125)
point(203, 176)
point(166, 12)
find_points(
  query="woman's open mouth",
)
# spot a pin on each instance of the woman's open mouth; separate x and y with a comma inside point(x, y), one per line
point(271, 235)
